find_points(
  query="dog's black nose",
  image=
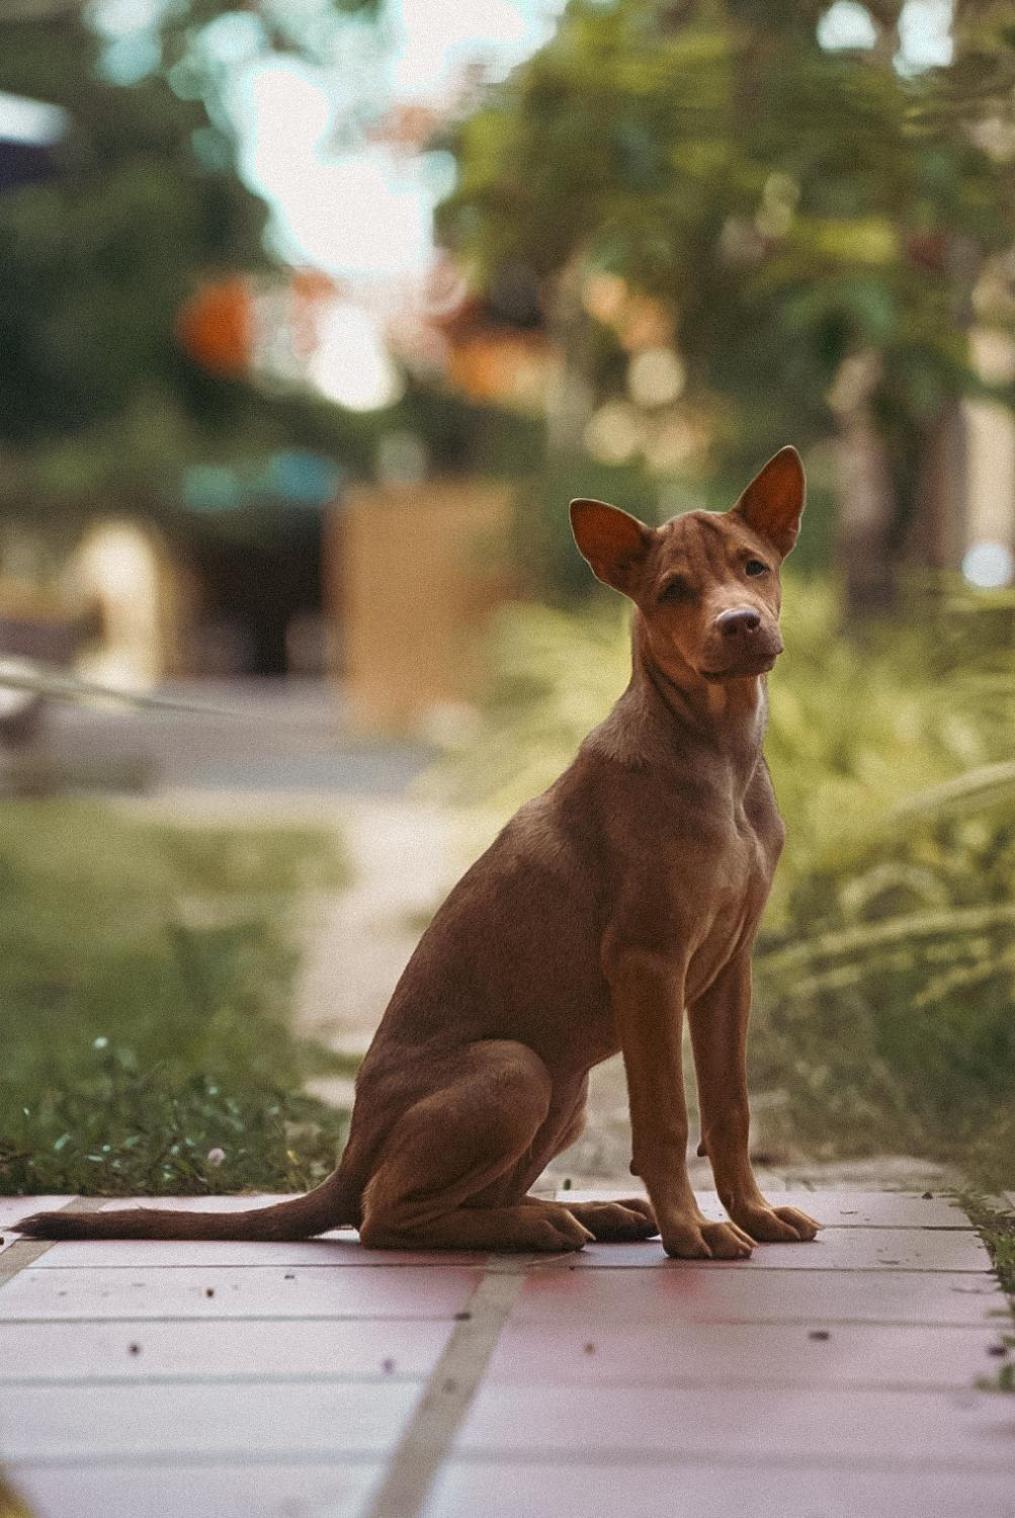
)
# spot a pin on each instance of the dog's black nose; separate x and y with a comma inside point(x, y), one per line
point(742, 619)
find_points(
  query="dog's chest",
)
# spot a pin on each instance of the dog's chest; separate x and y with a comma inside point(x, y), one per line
point(722, 906)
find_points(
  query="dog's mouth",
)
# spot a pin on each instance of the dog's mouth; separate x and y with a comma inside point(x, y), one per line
point(744, 669)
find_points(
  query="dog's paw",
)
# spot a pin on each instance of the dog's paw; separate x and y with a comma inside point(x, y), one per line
point(616, 1222)
point(552, 1228)
point(776, 1225)
point(699, 1240)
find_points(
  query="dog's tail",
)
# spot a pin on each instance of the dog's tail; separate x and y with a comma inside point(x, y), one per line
point(330, 1205)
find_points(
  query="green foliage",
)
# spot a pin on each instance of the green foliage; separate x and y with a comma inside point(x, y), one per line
point(146, 974)
point(996, 1227)
point(794, 207)
point(542, 543)
point(98, 259)
point(885, 969)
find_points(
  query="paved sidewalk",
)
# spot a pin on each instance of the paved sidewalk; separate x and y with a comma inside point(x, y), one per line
point(358, 941)
point(323, 1380)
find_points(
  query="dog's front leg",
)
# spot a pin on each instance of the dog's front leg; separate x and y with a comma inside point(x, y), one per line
point(647, 990)
point(719, 1021)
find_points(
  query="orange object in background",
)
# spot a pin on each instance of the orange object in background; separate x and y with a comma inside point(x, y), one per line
point(258, 323)
point(216, 326)
point(504, 366)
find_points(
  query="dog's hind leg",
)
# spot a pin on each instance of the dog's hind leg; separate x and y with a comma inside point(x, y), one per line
point(609, 1222)
point(447, 1151)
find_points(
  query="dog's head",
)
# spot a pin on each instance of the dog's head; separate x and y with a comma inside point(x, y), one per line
point(706, 583)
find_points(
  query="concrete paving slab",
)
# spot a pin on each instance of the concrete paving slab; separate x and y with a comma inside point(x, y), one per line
point(289, 1348)
point(265, 1292)
point(945, 1249)
point(863, 1209)
point(159, 1421)
point(909, 1428)
point(333, 1250)
point(181, 1490)
point(306, 1380)
point(835, 1209)
point(710, 1294)
point(583, 1488)
point(678, 1352)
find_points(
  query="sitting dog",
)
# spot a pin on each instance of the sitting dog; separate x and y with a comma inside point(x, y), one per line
point(626, 895)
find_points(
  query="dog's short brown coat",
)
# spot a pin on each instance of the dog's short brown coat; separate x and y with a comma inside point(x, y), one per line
point(627, 893)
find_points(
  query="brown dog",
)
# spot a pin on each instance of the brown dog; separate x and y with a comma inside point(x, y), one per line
point(629, 891)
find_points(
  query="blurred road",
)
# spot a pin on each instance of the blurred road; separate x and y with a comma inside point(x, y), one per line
point(284, 736)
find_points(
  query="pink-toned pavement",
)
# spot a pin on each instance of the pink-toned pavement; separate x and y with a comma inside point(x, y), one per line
point(837, 1379)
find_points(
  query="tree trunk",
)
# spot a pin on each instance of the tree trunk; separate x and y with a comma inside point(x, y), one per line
point(867, 504)
point(571, 400)
point(936, 535)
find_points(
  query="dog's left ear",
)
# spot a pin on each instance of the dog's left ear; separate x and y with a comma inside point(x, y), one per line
point(614, 543)
point(773, 502)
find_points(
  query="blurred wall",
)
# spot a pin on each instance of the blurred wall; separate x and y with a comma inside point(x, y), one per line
point(412, 575)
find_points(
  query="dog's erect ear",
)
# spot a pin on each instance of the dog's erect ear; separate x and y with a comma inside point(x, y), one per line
point(773, 502)
point(615, 544)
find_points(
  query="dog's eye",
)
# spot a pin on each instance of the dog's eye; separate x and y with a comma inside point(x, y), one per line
point(755, 567)
point(676, 589)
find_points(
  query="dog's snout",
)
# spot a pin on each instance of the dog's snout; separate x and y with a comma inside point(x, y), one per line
point(738, 621)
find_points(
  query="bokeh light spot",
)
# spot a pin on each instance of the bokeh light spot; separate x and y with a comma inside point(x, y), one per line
point(989, 565)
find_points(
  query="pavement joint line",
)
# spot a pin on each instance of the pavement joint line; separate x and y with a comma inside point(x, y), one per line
point(427, 1439)
point(756, 1266)
point(170, 1459)
point(24, 1252)
point(994, 1315)
point(232, 1378)
point(671, 1267)
point(329, 1378)
point(585, 1458)
point(156, 1264)
point(112, 1319)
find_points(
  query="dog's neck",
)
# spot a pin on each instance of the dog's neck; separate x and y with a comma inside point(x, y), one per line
point(728, 716)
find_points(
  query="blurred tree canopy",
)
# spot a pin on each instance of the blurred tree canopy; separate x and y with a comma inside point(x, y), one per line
point(97, 259)
point(817, 224)
point(141, 204)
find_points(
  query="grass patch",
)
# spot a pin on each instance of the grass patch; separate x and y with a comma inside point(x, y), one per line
point(146, 974)
point(996, 1227)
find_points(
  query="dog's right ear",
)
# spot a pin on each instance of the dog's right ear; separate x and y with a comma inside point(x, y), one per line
point(615, 544)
